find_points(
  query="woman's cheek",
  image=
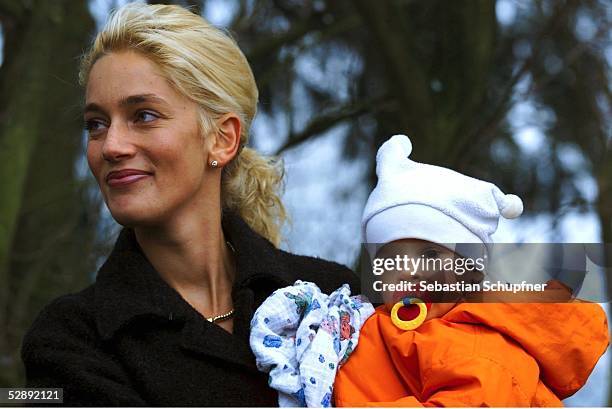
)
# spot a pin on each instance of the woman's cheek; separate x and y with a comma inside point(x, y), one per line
point(92, 158)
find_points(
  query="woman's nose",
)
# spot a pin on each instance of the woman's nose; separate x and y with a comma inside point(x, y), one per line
point(117, 144)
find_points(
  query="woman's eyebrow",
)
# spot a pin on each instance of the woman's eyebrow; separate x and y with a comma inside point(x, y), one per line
point(137, 99)
point(127, 101)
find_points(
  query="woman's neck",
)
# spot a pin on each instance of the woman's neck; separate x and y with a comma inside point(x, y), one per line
point(192, 256)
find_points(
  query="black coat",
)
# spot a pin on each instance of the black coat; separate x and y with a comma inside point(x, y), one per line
point(130, 339)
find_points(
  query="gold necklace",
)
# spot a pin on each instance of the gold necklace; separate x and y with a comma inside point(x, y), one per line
point(229, 314)
point(221, 317)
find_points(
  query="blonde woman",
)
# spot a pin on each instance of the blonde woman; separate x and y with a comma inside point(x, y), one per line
point(168, 104)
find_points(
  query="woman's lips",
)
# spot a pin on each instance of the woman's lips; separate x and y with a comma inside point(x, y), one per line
point(125, 177)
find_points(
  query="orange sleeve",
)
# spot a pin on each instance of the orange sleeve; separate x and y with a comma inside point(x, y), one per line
point(567, 339)
point(473, 381)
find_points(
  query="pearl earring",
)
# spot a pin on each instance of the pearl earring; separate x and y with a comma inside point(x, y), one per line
point(214, 163)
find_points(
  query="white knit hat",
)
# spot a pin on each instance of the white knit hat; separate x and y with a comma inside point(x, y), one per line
point(420, 201)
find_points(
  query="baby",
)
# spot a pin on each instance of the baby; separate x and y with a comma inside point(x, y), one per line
point(426, 348)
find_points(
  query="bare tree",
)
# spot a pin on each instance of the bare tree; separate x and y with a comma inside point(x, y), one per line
point(44, 229)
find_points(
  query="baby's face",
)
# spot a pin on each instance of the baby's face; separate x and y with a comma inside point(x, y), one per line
point(438, 303)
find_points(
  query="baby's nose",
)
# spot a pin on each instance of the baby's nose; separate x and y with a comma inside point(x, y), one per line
point(412, 275)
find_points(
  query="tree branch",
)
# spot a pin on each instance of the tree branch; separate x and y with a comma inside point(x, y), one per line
point(480, 136)
point(269, 45)
point(324, 122)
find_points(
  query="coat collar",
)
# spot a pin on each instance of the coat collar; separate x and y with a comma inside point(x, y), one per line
point(128, 286)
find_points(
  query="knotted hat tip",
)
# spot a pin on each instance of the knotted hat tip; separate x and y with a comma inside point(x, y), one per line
point(403, 142)
point(511, 206)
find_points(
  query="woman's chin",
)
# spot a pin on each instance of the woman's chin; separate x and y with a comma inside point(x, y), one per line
point(127, 221)
point(133, 217)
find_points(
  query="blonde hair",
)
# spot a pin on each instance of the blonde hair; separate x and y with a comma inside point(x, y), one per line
point(206, 65)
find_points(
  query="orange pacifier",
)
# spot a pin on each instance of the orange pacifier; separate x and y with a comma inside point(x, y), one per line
point(404, 316)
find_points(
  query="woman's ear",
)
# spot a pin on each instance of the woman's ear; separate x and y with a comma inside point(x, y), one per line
point(226, 141)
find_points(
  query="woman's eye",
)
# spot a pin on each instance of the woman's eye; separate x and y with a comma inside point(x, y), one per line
point(146, 116)
point(93, 125)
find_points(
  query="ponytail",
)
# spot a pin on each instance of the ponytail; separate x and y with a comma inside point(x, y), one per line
point(251, 186)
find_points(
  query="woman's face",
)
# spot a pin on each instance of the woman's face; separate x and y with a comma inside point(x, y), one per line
point(144, 145)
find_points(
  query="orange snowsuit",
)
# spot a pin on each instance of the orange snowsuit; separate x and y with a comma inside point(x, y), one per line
point(476, 355)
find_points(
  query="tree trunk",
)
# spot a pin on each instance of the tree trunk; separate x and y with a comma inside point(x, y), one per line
point(44, 225)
